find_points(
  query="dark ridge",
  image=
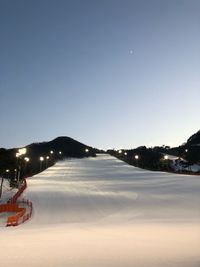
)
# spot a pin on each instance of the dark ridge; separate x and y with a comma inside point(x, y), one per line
point(194, 139)
point(68, 146)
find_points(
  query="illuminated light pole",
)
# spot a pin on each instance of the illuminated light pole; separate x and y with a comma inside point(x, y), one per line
point(86, 150)
point(47, 160)
point(15, 170)
point(21, 151)
point(125, 153)
point(41, 160)
point(136, 158)
point(166, 162)
point(7, 172)
point(51, 152)
point(26, 161)
point(60, 154)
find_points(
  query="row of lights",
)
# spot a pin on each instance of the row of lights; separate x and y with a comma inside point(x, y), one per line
point(60, 153)
point(22, 151)
point(7, 171)
point(47, 157)
point(166, 157)
point(125, 153)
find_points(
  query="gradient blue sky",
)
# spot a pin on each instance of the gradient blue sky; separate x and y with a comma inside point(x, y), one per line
point(108, 73)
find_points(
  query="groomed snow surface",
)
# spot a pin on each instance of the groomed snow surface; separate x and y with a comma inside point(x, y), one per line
point(101, 212)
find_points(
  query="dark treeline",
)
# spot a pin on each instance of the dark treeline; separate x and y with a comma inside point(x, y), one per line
point(154, 158)
point(40, 156)
point(146, 158)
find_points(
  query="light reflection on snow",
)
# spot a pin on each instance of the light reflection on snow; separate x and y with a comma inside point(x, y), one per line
point(101, 212)
point(104, 187)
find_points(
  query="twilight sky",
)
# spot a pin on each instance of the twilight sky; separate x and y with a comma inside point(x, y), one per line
point(109, 73)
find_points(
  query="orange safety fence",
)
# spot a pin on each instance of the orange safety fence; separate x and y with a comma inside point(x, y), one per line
point(8, 207)
point(22, 214)
point(14, 219)
point(29, 212)
point(19, 192)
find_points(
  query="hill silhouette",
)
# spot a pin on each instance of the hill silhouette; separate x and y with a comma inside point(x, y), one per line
point(66, 145)
point(194, 139)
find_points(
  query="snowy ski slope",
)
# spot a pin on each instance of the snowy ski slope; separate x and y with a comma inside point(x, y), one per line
point(103, 212)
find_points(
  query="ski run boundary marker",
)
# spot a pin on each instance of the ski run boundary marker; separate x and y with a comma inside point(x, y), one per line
point(22, 213)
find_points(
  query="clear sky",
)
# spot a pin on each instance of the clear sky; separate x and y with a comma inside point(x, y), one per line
point(109, 73)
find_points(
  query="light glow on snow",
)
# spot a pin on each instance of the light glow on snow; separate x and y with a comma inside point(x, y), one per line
point(102, 212)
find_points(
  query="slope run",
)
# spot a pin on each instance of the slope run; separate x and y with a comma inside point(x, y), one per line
point(106, 189)
point(102, 212)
